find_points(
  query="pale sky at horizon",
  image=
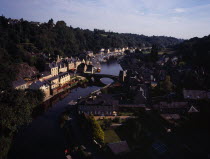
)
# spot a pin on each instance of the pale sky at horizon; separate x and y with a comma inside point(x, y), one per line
point(177, 18)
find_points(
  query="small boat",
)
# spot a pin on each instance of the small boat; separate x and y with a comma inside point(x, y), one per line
point(98, 69)
point(71, 103)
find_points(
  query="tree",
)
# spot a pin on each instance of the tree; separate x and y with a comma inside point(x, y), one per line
point(40, 64)
point(107, 123)
point(50, 23)
point(16, 109)
point(96, 130)
point(154, 53)
point(167, 85)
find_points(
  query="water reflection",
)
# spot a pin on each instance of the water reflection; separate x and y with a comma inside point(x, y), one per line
point(106, 80)
point(43, 138)
point(111, 67)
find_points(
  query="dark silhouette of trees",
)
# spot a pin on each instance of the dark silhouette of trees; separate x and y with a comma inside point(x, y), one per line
point(154, 52)
point(16, 109)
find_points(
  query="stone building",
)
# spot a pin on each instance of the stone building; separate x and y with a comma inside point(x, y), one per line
point(54, 82)
point(122, 76)
point(97, 110)
point(64, 78)
point(107, 51)
point(195, 94)
point(101, 105)
point(52, 68)
point(62, 67)
point(20, 84)
point(44, 86)
point(71, 65)
point(45, 75)
point(90, 69)
point(90, 53)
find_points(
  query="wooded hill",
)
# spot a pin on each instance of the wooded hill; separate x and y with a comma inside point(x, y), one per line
point(23, 41)
point(60, 38)
point(196, 52)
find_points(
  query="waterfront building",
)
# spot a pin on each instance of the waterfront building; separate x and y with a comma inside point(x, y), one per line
point(45, 75)
point(71, 65)
point(64, 78)
point(52, 68)
point(90, 53)
point(122, 76)
point(90, 69)
point(115, 50)
point(105, 110)
point(123, 49)
point(107, 51)
point(20, 84)
point(101, 105)
point(44, 86)
point(62, 67)
point(54, 82)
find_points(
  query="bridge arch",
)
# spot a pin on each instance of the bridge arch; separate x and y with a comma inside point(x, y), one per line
point(99, 76)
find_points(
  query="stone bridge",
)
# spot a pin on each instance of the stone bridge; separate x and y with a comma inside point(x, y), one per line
point(97, 77)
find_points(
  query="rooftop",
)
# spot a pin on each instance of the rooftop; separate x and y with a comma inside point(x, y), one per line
point(18, 83)
point(119, 147)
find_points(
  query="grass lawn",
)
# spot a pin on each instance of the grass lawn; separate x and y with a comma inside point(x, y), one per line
point(100, 122)
point(126, 113)
point(111, 136)
point(146, 52)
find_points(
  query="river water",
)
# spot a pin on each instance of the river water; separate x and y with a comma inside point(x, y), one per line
point(43, 138)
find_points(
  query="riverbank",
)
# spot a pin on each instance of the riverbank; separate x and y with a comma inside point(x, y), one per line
point(43, 138)
point(76, 80)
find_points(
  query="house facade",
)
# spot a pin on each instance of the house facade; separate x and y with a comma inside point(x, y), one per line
point(20, 84)
point(64, 78)
point(44, 86)
point(54, 82)
point(172, 108)
point(195, 94)
point(97, 110)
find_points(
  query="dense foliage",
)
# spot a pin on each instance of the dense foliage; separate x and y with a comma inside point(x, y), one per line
point(196, 51)
point(16, 109)
point(92, 127)
point(59, 38)
point(24, 41)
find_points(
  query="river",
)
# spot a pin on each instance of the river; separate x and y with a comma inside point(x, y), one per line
point(43, 138)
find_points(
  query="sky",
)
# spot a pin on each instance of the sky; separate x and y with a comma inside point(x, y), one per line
point(177, 18)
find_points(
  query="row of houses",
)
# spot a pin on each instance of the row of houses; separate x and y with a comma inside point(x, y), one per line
point(105, 104)
point(48, 86)
point(114, 50)
point(117, 50)
point(196, 94)
point(183, 106)
point(56, 75)
point(62, 65)
point(100, 105)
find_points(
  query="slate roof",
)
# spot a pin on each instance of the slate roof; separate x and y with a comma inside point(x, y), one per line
point(119, 147)
point(194, 94)
point(18, 83)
